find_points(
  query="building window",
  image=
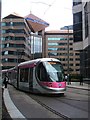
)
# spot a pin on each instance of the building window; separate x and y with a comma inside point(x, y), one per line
point(36, 44)
point(52, 49)
point(77, 64)
point(77, 2)
point(77, 70)
point(70, 43)
point(5, 60)
point(11, 23)
point(70, 38)
point(71, 59)
point(77, 26)
point(77, 54)
point(3, 24)
point(86, 20)
point(3, 31)
point(53, 44)
point(8, 60)
point(24, 72)
point(57, 44)
point(78, 17)
point(77, 59)
point(62, 38)
point(18, 24)
point(71, 64)
point(71, 48)
point(5, 45)
point(71, 54)
point(2, 38)
point(6, 53)
point(52, 54)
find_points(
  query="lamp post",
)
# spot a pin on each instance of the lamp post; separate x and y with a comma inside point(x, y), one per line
point(19, 55)
point(68, 72)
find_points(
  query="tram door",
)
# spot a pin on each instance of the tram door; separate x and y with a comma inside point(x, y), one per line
point(18, 73)
point(31, 79)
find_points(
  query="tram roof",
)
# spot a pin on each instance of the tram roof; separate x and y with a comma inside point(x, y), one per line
point(37, 60)
point(5, 70)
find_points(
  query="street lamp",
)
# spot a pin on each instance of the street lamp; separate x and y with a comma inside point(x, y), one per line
point(49, 54)
point(68, 72)
point(19, 57)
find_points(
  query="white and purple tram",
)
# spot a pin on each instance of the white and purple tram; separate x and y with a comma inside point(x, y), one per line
point(44, 75)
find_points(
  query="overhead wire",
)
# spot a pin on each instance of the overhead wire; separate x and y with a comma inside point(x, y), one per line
point(49, 5)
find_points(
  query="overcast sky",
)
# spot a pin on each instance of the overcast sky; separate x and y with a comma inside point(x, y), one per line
point(57, 13)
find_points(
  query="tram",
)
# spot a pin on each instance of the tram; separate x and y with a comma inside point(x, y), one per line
point(44, 75)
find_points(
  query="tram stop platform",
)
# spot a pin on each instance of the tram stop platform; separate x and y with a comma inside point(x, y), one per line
point(77, 85)
point(17, 104)
point(0, 102)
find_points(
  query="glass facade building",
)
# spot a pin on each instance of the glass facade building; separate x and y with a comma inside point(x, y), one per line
point(82, 43)
point(36, 46)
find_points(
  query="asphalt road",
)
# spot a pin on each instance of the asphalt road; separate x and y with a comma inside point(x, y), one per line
point(74, 104)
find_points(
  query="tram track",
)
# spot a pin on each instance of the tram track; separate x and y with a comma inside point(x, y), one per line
point(65, 108)
point(75, 99)
point(64, 117)
point(72, 105)
point(61, 100)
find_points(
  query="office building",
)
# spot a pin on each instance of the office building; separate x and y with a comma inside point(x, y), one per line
point(81, 29)
point(22, 39)
point(57, 46)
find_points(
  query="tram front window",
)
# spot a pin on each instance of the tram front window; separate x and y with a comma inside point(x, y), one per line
point(54, 71)
point(51, 72)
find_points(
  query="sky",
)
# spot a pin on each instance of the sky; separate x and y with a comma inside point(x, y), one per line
point(57, 13)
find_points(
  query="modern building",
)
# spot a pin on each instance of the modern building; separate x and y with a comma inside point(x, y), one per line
point(0, 45)
point(59, 44)
point(22, 39)
point(81, 29)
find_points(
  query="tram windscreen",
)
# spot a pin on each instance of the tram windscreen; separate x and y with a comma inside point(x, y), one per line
point(51, 72)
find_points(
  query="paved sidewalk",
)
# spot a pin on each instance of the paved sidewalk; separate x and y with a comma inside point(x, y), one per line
point(20, 105)
point(11, 108)
point(0, 102)
point(78, 86)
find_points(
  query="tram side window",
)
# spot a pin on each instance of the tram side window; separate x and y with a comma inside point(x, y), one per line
point(3, 75)
point(24, 74)
point(9, 75)
point(14, 75)
point(41, 73)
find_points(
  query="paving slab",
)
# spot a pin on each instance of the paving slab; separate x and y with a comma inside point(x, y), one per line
point(0, 102)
